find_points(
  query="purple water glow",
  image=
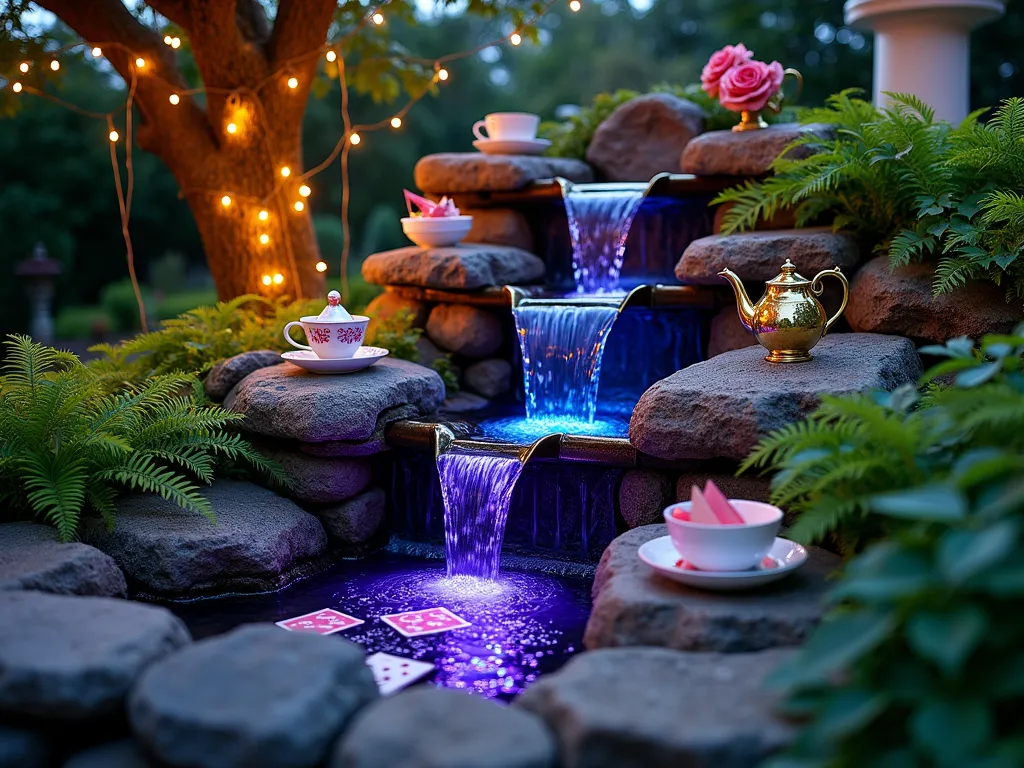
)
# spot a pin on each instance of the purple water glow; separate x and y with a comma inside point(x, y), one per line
point(599, 224)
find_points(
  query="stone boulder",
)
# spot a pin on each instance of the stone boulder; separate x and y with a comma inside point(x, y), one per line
point(750, 153)
point(748, 486)
point(635, 606)
point(721, 407)
point(32, 557)
point(758, 256)
point(257, 696)
point(25, 748)
point(901, 302)
point(225, 374)
point(433, 728)
point(727, 333)
point(390, 303)
point(372, 445)
point(643, 494)
point(657, 708)
point(320, 479)
point(500, 226)
point(123, 753)
point(356, 520)
point(286, 402)
point(68, 658)
point(453, 172)
point(260, 541)
point(644, 137)
point(459, 267)
point(490, 378)
point(464, 330)
point(464, 402)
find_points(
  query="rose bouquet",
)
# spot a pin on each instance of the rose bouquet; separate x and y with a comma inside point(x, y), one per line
point(743, 84)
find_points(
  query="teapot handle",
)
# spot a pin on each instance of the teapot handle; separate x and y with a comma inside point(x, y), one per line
point(817, 288)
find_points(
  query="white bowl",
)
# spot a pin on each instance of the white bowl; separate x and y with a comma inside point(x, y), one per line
point(436, 233)
point(726, 547)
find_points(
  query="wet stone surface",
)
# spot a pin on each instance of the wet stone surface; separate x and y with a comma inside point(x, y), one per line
point(460, 267)
point(31, 557)
point(454, 172)
point(750, 153)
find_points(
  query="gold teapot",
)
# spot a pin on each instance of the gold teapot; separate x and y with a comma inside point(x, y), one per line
point(788, 320)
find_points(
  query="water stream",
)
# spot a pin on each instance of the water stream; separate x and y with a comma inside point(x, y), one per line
point(599, 224)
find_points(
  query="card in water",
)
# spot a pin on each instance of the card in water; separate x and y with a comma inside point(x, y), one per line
point(426, 621)
point(323, 622)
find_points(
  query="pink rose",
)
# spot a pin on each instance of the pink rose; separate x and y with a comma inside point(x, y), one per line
point(720, 63)
point(750, 86)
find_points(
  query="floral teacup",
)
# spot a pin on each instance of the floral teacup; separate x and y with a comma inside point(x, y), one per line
point(330, 339)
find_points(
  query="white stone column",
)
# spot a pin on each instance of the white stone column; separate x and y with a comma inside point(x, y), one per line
point(923, 47)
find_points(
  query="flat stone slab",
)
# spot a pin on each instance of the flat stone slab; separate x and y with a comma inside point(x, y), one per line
point(460, 267)
point(635, 606)
point(225, 374)
point(260, 541)
point(452, 172)
point(123, 753)
point(721, 407)
point(749, 153)
point(32, 557)
point(65, 658)
point(759, 256)
point(257, 696)
point(286, 402)
point(659, 708)
point(320, 479)
point(465, 330)
point(901, 301)
point(428, 727)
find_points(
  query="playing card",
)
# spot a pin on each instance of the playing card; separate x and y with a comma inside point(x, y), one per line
point(324, 622)
point(425, 622)
point(393, 673)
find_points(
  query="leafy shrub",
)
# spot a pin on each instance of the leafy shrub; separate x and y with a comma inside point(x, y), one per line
point(67, 444)
point(174, 304)
point(169, 273)
point(921, 659)
point(911, 186)
point(119, 302)
point(81, 323)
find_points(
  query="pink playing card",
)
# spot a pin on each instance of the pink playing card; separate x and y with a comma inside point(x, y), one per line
point(700, 510)
point(724, 511)
point(392, 673)
point(325, 622)
point(425, 622)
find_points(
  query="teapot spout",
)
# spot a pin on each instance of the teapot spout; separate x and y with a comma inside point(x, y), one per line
point(743, 306)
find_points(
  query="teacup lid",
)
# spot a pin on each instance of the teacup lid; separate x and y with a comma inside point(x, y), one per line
point(334, 310)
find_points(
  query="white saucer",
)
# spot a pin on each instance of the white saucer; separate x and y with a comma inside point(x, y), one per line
point(512, 146)
point(363, 358)
point(662, 557)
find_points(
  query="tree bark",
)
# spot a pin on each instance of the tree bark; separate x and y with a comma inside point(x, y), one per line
point(245, 65)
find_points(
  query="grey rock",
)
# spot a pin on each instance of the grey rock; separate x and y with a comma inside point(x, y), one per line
point(459, 267)
point(438, 728)
point(759, 256)
point(901, 302)
point(644, 137)
point(356, 520)
point(124, 753)
point(635, 606)
point(500, 226)
point(657, 708)
point(747, 486)
point(428, 351)
point(24, 748)
point(320, 479)
point(284, 401)
point(489, 378)
point(783, 219)
point(68, 658)
point(259, 541)
point(727, 333)
point(643, 494)
point(227, 373)
point(721, 407)
point(390, 303)
point(464, 402)
point(257, 697)
point(476, 172)
point(32, 557)
point(372, 445)
point(750, 153)
point(464, 330)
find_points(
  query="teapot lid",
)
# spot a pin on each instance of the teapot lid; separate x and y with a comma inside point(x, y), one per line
point(334, 310)
point(788, 276)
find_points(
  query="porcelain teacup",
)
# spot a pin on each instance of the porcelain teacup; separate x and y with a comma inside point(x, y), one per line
point(721, 547)
point(507, 126)
point(330, 339)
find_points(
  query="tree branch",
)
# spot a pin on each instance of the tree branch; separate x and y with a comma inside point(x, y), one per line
point(175, 10)
point(300, 27)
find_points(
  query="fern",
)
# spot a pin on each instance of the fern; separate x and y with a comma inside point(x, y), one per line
point(67, 447)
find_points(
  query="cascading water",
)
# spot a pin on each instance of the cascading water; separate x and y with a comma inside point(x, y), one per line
point(599, 223)
point(477, 489)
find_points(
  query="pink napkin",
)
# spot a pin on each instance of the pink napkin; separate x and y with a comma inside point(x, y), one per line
point(428, 208)
point(710, 507)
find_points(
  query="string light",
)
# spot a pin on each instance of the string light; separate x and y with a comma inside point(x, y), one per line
point(226, 200)
point(167, 39)
point(175, 42)
point(174, 99)
point(266, 280)
point(113, 136)
point(378, 18)
point(293, 82)
point(321, 266)
point(575, 5)
point(232, 128)
point(23, 67)
point(278, 278)
point(286, 171)
point(97, 52)
point(331, 56)
point(305, 191)
point(442, 74)
point(264, 238)
point(355, 138)
point(515, 38)
point(140, 62)
point(263, 215)
point(396, 122)
point(16, 87)
point(54, 65)
point(300, 206)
